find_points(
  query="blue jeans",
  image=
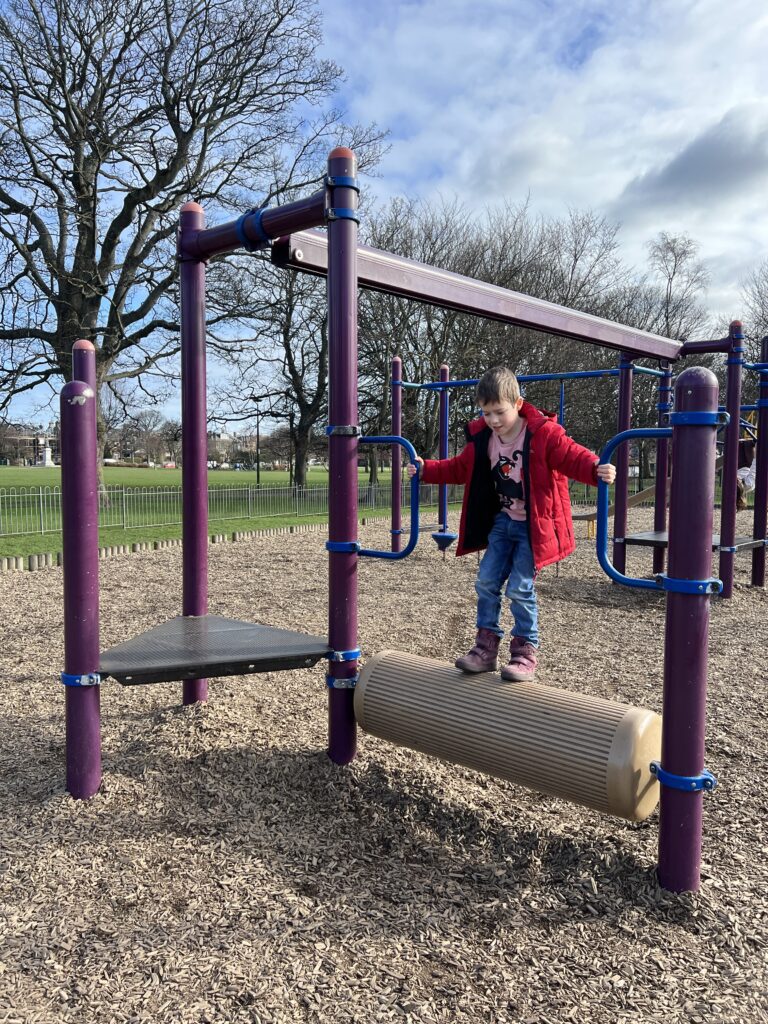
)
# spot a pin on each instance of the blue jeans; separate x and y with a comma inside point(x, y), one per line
point(509, 559)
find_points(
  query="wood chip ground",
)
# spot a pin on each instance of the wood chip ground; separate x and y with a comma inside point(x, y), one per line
point(227, 871)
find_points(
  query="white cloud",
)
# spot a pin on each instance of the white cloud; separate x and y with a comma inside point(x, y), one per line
point(649, 111)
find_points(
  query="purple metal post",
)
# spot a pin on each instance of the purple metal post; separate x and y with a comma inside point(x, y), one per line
point(397, 431)
point(622, 464)
point(444, 422)
point(687, 622)
point(342, 450)
point(84, 365)
point(80, 545)
point(731, 461)
point(664, 407)
point(194, 436)
point(761, 482)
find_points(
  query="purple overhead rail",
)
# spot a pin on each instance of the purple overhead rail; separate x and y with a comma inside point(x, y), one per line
point(395, 275)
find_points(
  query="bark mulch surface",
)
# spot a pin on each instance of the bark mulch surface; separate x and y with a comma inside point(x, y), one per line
point(227, 871)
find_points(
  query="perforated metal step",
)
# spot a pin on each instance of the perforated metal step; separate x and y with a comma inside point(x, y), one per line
point(195, 647)
point(660, 539)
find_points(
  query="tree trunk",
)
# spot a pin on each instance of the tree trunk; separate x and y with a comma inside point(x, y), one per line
point(301, 456)
point(373, 467)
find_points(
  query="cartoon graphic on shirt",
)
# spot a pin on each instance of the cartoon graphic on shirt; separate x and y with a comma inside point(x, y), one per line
point(508, 489)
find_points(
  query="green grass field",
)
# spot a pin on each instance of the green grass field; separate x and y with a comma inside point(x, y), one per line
point(118, 476)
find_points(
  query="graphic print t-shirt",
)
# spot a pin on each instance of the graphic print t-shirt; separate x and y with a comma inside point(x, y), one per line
point(507, 472)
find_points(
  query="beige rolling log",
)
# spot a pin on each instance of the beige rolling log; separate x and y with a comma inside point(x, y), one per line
point(588, 750)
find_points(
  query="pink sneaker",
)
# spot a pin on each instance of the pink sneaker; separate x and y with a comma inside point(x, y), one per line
point(522, 662)
point(484, 655)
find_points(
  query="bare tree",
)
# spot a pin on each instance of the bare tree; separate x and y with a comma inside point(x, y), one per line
point(279, 364)
point(114, 112)
point(755, 295)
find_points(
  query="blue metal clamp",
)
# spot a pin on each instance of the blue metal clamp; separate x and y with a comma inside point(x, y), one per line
point(697, 587)
point(350, 430)
point(699, 419)
point(86, 679)
point(413, 539)
point(687, 783)
point(341, 181)
point(257, 213)
point(345, 547)
point(342, 213)
point(341, 684)
point(352, 655)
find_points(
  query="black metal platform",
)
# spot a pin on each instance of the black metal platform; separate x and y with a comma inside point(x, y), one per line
point(195, 647)
point(660, 539)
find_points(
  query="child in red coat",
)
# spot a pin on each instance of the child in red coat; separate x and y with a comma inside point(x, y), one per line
point(515, 468)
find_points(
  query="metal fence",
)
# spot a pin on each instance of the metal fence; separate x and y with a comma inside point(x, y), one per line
point(37, 510)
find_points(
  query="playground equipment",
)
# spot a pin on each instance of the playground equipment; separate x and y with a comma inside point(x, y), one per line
point(725, 542)
point(188, 647)
point(593, 752)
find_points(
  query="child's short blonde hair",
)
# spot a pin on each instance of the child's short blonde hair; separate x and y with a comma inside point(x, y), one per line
point(499, 384)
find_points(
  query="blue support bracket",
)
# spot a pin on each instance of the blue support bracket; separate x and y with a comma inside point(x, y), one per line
point(86, 679)
point(687, 783)
point(342, 213)
point(348, 430)
point(341, 181)
point(700, 419)
point(341, 684)
point(256, 213)
point(346, 547)
point(698, 587)
point(352, 655)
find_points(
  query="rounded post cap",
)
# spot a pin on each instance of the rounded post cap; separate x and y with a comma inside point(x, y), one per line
point(192, 207)
point(83, 345)
point(697, 377)
point(341, 153)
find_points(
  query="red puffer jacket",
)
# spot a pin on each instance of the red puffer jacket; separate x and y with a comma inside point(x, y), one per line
point(550, 458)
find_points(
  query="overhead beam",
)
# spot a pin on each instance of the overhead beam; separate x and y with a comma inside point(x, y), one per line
point(384, 272)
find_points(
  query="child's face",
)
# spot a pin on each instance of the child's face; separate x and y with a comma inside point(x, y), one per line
point(503, 418)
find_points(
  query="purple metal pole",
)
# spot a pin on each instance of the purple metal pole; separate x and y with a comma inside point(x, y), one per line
point(731, 461)
point(194, 436)
point(80, 545)
point(691, 512)
point(84, 364)
point(622, 464)
point(397, 431)
point(664, 407)
point(342, 451)
point(761, 481)
point(256, 227)
point(444, 407)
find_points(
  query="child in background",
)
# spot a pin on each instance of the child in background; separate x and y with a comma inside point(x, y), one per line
point(515, 468)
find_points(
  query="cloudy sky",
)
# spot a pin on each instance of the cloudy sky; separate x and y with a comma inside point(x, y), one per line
point(652, 112)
